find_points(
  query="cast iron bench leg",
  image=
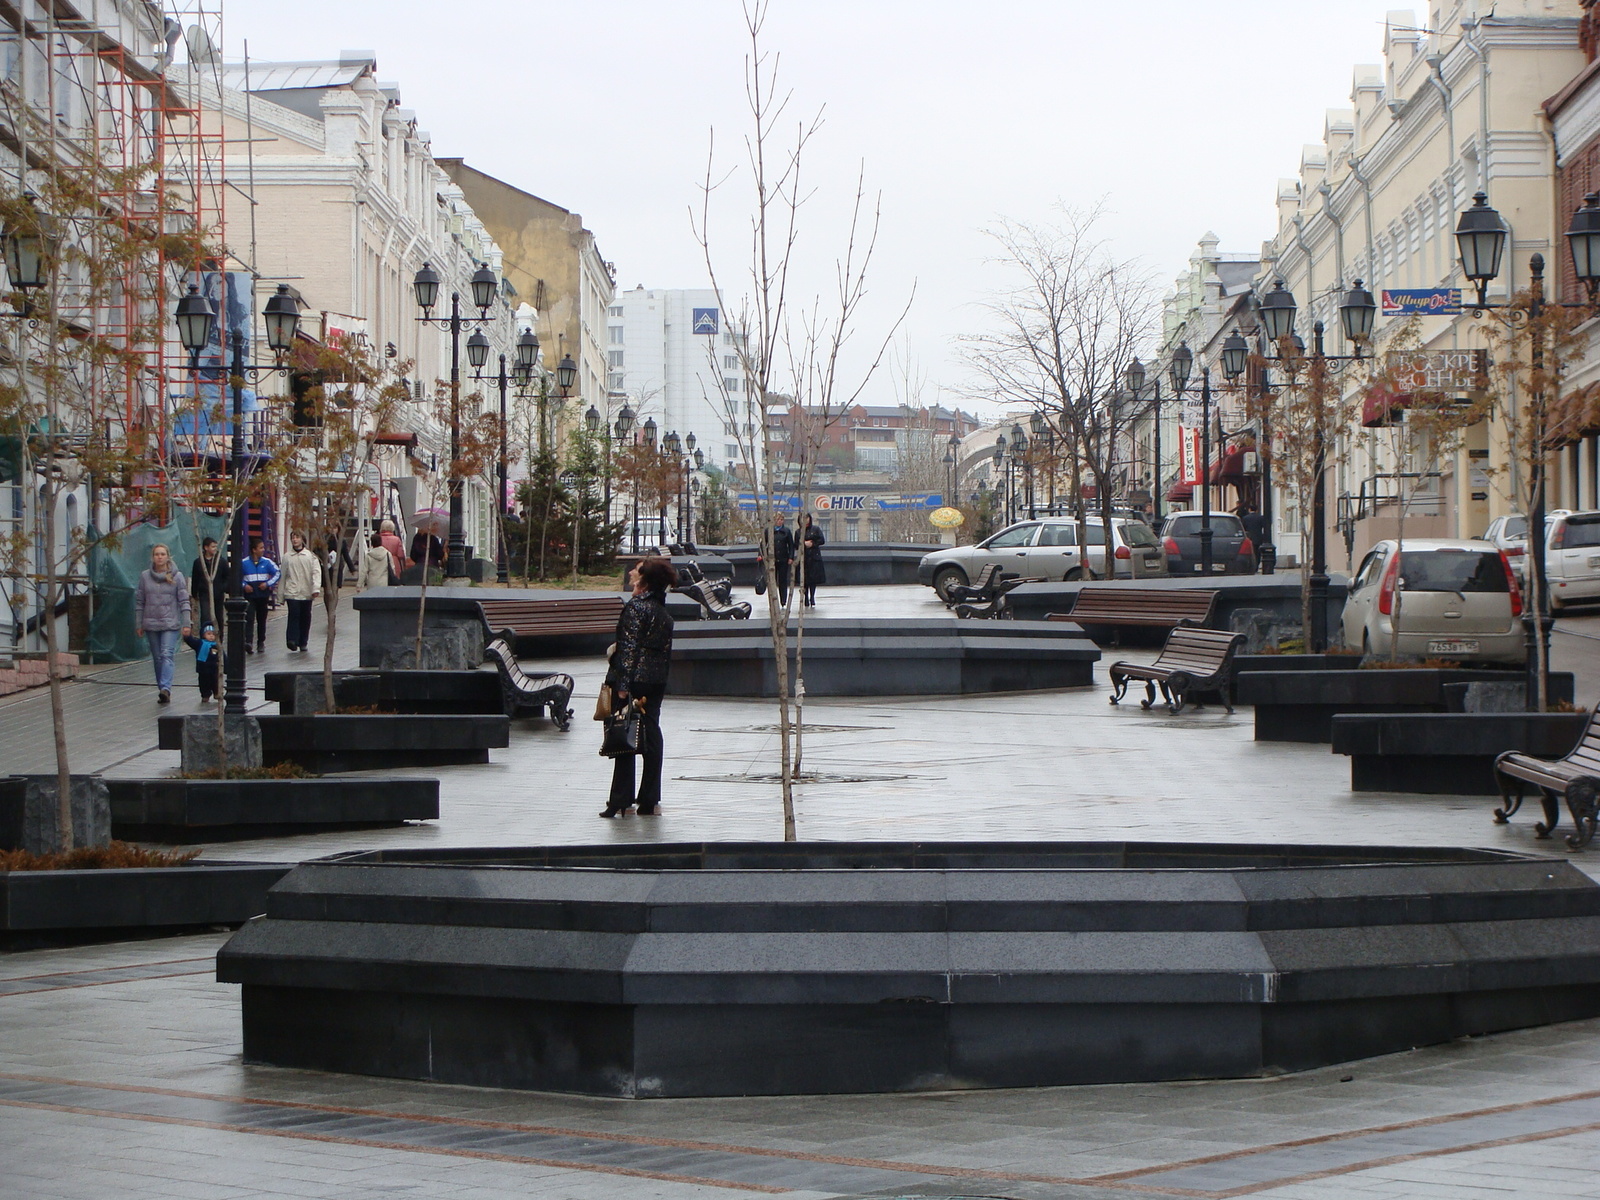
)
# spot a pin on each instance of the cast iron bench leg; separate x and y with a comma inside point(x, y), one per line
point(1583, 802)
point(1508, 803)
point(1552, 813)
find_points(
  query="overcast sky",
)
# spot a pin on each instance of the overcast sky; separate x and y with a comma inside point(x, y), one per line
point(1180, 116)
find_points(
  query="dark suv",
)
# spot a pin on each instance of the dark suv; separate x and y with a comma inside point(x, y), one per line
point(1231, 550)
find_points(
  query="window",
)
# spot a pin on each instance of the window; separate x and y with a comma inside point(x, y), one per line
point(1368, 571)
point(1006, 539)
point(615, 358)
point(730, 453)
point(852, 529)
point(875, 529)
point(615, 382)
point(1576, 533)
point(730, 362)
point(826, 525)
point(1136, 533)
point(1059, 535)
point(615, 310)
point(1455, 570)
point(614, 332)
point(731, 383)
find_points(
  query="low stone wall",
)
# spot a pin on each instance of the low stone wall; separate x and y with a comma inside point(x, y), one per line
point(1446, 754)
point(846, 564)
point(1276, 598)
point(860, 657)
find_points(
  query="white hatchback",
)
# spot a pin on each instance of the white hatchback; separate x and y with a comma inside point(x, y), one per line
point(1572, 558)
point(1455, 599)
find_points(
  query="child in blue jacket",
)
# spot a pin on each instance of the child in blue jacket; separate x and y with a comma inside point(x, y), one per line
point(207, 660)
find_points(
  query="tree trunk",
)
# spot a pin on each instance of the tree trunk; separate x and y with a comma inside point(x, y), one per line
point(330, 607)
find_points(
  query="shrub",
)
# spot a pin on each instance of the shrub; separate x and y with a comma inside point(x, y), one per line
point(117, 854)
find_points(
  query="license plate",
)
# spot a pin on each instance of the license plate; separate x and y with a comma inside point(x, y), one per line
point(1453, 646)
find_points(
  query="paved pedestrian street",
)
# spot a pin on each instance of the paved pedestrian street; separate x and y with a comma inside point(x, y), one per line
point(121, 1071)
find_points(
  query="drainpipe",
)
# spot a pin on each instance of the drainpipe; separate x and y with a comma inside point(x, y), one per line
point(1447, 100)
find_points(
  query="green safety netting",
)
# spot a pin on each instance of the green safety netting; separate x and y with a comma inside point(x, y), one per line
point(114, 570)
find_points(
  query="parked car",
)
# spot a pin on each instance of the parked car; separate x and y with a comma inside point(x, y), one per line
point(1048, 549)
point(1510, 535)
point(1232, 552)
point(1455, 599)
point(1572, 558)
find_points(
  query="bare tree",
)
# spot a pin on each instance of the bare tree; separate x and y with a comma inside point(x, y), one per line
point(784, 345)
point(1060, 341)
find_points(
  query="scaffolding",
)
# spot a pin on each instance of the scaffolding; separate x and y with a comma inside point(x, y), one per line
point(110, 92)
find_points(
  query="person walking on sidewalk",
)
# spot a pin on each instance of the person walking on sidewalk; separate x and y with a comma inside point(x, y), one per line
point(780, 545)
point(812, 571)
point(302, 583)
point(377, 567)
point(638, 671)
point(258, 578)
point(208, 601)
point(392, 543)
point(207, 660)
point(161, 612)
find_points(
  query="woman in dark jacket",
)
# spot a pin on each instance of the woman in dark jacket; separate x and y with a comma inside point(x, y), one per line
point(638, 671)
point(811, 542)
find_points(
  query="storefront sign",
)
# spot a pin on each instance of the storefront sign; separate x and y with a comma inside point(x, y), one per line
point(1428, 302)
point(1443, 372)
point(1188, 454)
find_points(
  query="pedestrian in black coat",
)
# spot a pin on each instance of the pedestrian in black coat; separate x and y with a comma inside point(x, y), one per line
point(638, 671)
point(812, 572)
point(780, 544)
point(210, 601)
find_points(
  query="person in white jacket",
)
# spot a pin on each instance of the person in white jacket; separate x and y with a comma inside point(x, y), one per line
point(301, 583)
point(375, 565)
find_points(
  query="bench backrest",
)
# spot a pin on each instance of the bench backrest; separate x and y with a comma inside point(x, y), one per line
point(1198, 651)
point(1189, 604)
point(499, 649)
point(1587, 751)
point(579, 614)
point(986, 577)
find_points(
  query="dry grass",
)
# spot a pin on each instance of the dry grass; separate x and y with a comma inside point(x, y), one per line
point(117, 854)
point(284, 770)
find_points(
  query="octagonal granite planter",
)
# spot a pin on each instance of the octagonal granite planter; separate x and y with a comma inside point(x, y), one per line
point(188, 810)
point(55, 907)
point(1446, 753)
point(1299, 706)
point(724, 969)
point(329, 743)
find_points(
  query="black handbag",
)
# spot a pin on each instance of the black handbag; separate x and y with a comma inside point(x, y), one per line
point(622, 732)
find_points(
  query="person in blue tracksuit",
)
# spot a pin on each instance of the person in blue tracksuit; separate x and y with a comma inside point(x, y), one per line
point(258, 578)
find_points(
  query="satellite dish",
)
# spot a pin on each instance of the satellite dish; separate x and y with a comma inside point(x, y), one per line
point(202, 53)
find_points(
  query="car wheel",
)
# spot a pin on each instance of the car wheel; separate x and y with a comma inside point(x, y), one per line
point(1074, 575)
point(947, 578)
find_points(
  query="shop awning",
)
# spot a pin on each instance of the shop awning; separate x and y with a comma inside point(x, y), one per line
point(1228, 468)
point(1381, 408)
point(395, 437)
point(1180, 491)
point(1574, 417)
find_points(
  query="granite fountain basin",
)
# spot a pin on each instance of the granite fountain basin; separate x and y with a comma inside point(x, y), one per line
point(716, 969)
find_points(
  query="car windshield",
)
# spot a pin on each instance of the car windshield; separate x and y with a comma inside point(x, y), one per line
point(1135, 533)
point(1222, 525)
point(1451, 570)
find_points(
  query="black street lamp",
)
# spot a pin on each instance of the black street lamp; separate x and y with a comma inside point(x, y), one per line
point(1356, 312)
point(521, 372)
point(1134, 376)
point(484, 287)
point(1481, 238)
point(196, 320)
point(624, 432)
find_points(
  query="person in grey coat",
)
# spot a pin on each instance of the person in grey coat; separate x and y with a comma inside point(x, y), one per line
point(161, 609)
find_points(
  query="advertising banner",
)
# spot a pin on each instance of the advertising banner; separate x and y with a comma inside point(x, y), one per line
point(1188, 454)
point(1428, 302)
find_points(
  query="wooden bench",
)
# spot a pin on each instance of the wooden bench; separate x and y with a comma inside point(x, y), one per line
point(1161, 608)
point(1193, 660)
point(996, 605)
point(980, 589)
point(713, 602)
point(1575, 778)
point(525, 695)
point(547, 618)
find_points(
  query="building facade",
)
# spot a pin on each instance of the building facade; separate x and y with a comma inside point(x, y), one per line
point(1455, 108)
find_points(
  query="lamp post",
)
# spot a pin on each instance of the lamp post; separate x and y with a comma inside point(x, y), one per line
point(527, 358)
point(1019, 454)
point(484, 289)
point(1356, 312)
point(1002, 476)
point(650, 430)
point(624, 431)
point(196, 320)
point(1481, 238)
point(1134, 376)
